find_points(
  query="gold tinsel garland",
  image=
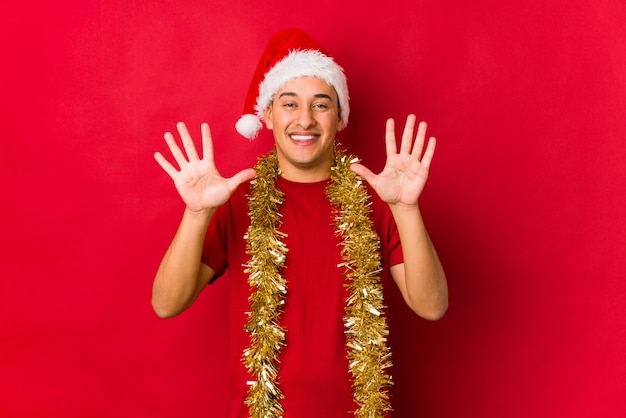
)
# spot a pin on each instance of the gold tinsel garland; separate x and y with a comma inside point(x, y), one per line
point(364, 320)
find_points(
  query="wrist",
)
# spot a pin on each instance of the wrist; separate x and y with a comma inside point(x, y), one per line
point(401, 208)
point(406, 215)
point(202, 214)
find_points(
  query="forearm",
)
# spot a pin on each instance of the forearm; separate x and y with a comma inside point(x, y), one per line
point(180, 277)
point(422, 279)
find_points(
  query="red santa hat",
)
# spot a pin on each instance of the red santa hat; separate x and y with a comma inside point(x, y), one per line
point(291, 53)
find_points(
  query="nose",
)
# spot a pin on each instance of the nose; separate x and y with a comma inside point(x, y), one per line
point(306, 118)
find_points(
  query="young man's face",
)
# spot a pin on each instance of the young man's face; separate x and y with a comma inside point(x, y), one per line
point(304, 117)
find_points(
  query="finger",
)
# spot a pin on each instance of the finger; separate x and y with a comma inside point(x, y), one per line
point(418, 147)
point(207, 142)
point(430, 151)
point(364, 172)
point(190, 148)
point(165, 165)
point(175, 150)
point(407, 135)
point(390, 137)
point(242, 176)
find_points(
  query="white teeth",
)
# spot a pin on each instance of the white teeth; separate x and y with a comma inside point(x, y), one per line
point(302, 137)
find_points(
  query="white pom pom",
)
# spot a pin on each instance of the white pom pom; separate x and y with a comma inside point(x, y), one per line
point(248, 126)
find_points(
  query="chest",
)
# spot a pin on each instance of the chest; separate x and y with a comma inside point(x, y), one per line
point(314, 247)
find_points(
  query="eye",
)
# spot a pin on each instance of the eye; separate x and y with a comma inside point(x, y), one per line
point(320, 106)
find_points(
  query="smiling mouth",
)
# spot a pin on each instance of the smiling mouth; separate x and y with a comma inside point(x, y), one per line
point(303, 138)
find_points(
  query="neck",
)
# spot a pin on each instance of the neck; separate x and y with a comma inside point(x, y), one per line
point(307, 176)
point(304, 174)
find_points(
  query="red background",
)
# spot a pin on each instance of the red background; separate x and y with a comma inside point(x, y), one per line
point(525, 201)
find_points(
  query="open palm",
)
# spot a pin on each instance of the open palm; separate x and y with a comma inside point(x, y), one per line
point(197, 180)
point(405, 173)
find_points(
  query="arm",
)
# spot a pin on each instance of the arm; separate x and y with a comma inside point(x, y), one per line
point(421, 277)
point(181, 276)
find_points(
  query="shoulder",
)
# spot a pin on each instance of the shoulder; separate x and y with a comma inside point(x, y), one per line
point(241, 193)
point(376, 203)
point(236, 204)
point(381, 214)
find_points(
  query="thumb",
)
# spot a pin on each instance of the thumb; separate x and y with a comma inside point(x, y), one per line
point(364, 172)
point(242, 176)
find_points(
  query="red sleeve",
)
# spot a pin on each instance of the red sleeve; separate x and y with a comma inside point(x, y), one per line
point(390, 246)
point(394, 248)
point(214, 250)
point(224, 244)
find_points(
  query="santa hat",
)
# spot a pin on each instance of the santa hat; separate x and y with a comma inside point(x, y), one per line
point(291, 53)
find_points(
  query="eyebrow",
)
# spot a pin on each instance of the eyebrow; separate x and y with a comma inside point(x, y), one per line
point(317, 96)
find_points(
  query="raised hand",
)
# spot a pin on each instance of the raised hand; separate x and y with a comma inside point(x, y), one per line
point(404, 176)
point(197, 180)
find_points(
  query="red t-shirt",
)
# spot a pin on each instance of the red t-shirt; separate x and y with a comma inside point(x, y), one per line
point(314, 374)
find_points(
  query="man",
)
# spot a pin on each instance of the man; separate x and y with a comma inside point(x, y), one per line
point(307, 245)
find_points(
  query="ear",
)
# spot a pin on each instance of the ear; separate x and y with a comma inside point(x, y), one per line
point(340, 125)
point(267, 116)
